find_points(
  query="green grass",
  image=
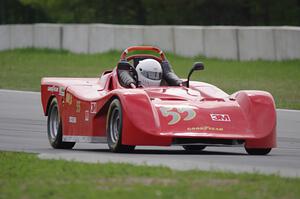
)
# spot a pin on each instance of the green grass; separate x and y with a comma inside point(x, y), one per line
point(25, 176)
point(23, 69)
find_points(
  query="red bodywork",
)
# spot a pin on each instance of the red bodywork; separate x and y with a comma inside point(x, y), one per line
point(162, 116)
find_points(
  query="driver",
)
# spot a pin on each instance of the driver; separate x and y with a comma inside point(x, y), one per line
point(149, 72)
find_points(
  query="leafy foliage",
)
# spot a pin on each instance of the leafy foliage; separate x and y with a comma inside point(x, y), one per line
point(179, 12)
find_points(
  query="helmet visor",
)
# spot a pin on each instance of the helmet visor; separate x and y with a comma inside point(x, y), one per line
point(152, 75)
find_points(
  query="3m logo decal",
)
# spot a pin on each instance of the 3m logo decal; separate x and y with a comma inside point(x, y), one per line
point(220, 117)
point(176, 114)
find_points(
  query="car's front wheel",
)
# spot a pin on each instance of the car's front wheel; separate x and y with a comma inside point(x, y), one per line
point(114, 128)
point(54, 128)
point(258, 151)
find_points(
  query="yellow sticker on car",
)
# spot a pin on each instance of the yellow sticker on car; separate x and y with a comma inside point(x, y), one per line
point(69, 99)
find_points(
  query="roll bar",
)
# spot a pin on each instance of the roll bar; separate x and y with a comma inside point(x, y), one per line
point(142, 48)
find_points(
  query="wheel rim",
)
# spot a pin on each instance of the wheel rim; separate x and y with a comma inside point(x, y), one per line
point(115, 125)
point(54, 122)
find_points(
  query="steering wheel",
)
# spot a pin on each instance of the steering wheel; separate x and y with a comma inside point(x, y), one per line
point(124, 65)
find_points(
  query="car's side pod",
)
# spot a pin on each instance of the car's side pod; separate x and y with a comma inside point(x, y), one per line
point(141, 120)
point(260, 110)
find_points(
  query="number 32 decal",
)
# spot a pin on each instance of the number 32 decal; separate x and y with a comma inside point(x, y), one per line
point(176, 117)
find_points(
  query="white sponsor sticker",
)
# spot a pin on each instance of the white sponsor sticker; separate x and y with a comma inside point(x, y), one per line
point(52, 88)
point(72, 120)
point(62, 91)
point(93, 139)
point(93, 107)
point(87, 115)
point(220, 117)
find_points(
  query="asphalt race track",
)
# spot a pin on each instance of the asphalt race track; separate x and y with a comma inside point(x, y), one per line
point(23, 128)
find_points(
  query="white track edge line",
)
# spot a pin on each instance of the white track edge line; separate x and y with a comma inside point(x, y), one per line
point(288, 110)
point(16, 91)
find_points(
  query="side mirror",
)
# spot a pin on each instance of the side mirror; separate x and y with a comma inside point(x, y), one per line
point(196, 66)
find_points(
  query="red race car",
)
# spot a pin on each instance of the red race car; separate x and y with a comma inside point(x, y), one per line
point(143, 102)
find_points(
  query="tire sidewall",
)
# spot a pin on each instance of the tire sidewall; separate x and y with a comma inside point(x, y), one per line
point(54, 140)
point(115, 104)
point(258, 151)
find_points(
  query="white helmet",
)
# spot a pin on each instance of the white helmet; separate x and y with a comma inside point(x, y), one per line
point(149, 72)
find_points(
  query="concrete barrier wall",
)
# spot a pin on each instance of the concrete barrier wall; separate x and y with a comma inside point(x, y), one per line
point(162, 36)
point(101, 38)
point(47, 36)
point(128, 36)
point(75, 38)
point(225, 42)
point(221, 42)
point(192, 46)
point(4, 37)
point(256, 43)
point(21, 36)
point(287, 41)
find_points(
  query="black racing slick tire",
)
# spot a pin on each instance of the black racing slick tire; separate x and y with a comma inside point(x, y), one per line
point(194, 147)
point(259, 151)
point(54, 128)
point(114, 128)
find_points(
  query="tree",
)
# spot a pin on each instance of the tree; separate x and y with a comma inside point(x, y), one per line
point(167, 12)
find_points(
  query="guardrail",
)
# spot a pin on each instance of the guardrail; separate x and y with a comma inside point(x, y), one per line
point(225, 42)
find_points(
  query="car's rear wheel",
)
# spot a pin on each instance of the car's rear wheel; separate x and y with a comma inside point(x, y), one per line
point(194, 147)
point(114, 128)
point(258, 151)
point(54, 128)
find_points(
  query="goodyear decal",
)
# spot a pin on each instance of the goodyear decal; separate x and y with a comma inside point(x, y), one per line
point(204, 128)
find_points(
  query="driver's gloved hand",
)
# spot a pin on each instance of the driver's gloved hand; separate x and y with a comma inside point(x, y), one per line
point(126, 79)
